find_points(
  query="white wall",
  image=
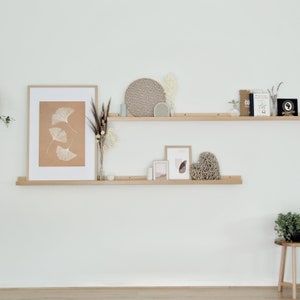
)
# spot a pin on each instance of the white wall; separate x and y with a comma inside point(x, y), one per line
point(143, 235)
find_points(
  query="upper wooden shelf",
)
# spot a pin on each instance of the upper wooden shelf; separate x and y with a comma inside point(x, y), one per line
point(130, 180)
point(201, 117)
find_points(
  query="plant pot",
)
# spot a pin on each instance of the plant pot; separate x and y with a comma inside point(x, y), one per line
point(296, 237)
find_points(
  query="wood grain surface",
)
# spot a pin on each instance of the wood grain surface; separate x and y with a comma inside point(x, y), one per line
point(160, 293)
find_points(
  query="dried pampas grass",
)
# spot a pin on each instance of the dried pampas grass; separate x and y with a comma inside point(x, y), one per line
point(99, 126)
point(170, 86)
point(111, 138)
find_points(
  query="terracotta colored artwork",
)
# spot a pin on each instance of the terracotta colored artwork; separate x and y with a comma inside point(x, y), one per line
point(62, 133)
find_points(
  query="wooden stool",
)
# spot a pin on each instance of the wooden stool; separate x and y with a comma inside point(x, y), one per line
point(281, 283)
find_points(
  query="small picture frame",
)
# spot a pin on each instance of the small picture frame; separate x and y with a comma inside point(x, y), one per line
point(287, 107)
point(160, 170)
point(179, 158)
point(261, 105)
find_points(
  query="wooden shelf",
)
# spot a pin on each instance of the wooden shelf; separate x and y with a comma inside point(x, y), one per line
point(201, 117)
point(130, 180)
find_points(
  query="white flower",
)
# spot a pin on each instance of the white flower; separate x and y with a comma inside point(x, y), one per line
point(110, 138)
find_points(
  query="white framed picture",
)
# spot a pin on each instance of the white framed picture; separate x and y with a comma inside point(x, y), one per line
point(160, 170)
point(179, 158)
point(61, 145)
point(262, 104)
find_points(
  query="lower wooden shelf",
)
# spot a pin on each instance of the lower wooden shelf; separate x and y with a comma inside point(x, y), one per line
point(130, 180)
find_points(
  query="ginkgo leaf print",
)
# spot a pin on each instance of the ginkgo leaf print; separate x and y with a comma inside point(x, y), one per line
point(64, 154)
point(58, 135)
point(62, 114)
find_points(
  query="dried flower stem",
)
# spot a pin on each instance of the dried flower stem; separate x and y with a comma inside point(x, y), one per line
point(272, 92)
point(235, 103)
point(273, 95)
point(99, 125)
point(170, 86)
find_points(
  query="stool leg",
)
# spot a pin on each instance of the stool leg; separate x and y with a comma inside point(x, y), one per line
point(282, 268)
point(294, 268)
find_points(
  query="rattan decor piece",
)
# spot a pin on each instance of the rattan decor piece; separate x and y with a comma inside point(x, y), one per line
point(142, 95)
point(207, 168)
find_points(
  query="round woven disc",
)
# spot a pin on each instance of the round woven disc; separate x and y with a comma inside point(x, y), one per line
point(142, 95)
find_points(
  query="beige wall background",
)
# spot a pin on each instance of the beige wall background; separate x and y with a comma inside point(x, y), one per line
point(151, 235)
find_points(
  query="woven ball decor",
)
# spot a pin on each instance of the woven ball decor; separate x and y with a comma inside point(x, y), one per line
point(207, 167)
point(142, 95)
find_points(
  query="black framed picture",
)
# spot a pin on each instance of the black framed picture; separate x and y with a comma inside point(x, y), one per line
point(287, 107)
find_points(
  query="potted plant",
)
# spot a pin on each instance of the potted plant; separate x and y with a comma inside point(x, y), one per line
point(287, 227)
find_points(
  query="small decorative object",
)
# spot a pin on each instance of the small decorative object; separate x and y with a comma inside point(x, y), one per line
point(287, 227)
point(287, 107)
point(110, 139)
point(99, 126)
point(207, 167)
point(273, 95)
point(6, 120)
point(260, 104)
point(170, 86)
point(179, 158)
point(160, 170)
point(161, 109)
point(244, 103)
point(123, 110)
point(235, 108)
point(60, 142)
point(110, 177)
point(150, 174)
point(142, 95)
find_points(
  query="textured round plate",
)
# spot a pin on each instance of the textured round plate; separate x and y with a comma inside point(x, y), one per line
point(142, 95)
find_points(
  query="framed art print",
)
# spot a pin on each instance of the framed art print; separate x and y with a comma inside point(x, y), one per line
point(287, 107)
point(261, 105)
point(160, 170)
point(179, 158)
point(61, 144)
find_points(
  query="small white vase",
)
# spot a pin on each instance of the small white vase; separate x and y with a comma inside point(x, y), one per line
point(234, 112)
point(274, 106)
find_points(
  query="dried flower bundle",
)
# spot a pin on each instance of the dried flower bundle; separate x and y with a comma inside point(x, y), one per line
point(235, 103)
point(170, 86)
point(99, 125)
point(110, 139)
point(274, 92)
point(273, 95)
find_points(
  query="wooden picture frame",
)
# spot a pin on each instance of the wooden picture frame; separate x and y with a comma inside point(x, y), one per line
point(61, 146)
point(180, 159)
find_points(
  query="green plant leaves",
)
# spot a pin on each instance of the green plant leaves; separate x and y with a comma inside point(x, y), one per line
point(286, 225)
